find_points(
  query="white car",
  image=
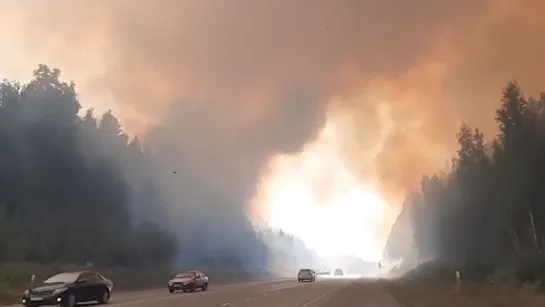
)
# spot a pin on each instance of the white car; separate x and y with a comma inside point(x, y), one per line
point(306, 274)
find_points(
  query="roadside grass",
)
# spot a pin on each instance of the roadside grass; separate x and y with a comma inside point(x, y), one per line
point(425, 293)
point(15, 277)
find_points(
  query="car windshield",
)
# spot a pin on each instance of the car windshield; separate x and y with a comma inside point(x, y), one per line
point(62, 278)
point(186, 275)
point(304, 271)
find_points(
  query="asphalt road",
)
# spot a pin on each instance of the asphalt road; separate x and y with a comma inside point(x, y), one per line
point(325, 292)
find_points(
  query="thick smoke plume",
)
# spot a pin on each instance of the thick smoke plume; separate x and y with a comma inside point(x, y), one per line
point(254, 78)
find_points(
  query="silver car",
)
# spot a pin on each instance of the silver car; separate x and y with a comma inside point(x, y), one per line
point(306, 274)
point(188, 281)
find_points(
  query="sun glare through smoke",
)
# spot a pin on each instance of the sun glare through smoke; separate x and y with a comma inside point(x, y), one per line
point(314, 196)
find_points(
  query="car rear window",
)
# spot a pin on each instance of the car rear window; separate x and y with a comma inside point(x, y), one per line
point(304, 271)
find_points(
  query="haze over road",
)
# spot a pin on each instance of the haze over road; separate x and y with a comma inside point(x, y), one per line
point(325, 292)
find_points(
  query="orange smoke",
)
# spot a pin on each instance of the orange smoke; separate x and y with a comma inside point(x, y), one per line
point(259, 78)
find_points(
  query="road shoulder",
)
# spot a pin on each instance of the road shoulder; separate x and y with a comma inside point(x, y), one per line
point(361, 292)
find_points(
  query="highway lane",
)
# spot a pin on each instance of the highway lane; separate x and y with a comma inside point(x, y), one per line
point(332, 292)
point(325, 292)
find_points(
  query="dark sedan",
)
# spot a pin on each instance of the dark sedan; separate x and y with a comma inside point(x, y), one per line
point(68, 289)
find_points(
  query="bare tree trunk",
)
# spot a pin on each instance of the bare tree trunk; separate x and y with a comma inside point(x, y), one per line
point(32, 281)
point(533, 233)
point(516, 243)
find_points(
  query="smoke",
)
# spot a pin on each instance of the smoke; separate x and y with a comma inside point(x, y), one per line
point(253, 78)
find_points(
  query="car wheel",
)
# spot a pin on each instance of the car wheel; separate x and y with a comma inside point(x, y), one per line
point(170, 290)
point(192, 289)
point(205, 286)
point(104, 298)
point(70, 301)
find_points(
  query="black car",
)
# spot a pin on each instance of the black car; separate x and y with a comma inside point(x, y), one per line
point(68, 289)
point(188, 281)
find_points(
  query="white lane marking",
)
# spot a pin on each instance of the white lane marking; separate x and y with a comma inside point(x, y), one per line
point(131, 295)
point(314, 300)
point(151, 299)
point(222, 288)
point(266, 293)
point(145, 301)
point(279, 287)
point(136, 302)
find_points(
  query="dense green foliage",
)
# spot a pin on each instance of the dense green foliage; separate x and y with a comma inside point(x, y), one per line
point(489, 209)
point(76, 188)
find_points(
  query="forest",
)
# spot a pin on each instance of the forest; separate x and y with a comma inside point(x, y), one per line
point(487, 212)
point(75, 188)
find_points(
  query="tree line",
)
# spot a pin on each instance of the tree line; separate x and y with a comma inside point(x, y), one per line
point(489, 208)
point(64, 196)
point(76, 188)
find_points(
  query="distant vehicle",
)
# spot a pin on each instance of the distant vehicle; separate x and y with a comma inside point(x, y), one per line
point(188, 281)
point(339, 272)
point(69, 289)
point(306, 274)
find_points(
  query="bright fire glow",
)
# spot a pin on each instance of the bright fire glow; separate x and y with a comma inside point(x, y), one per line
point(314, 196)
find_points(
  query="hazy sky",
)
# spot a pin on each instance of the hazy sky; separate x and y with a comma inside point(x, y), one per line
point(401, 74)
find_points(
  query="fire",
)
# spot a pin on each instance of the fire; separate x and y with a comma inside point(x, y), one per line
point(314, 196)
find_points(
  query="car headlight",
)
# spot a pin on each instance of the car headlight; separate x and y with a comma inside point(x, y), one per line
point(26, 293)
point(170, 282)
point(59, 291)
